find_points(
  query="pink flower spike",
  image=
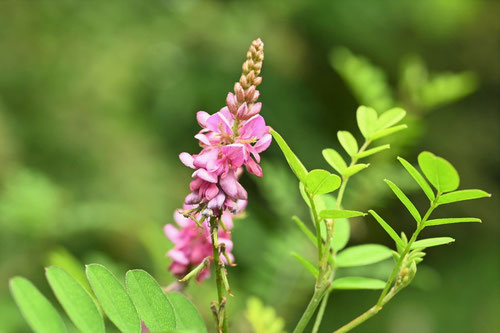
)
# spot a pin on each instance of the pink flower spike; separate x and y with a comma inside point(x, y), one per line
point(205, 175)
point(201, 160)
point(219, 124)
point(254, 127)
point(187, 160)
point(235, 153)
point(202, 117)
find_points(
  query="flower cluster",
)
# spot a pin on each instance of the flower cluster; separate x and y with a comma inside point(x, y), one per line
point(230, 139)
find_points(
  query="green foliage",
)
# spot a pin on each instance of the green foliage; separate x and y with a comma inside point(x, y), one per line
point(304, 229)
point(341, 230)
point(357, 282)
point(348, 142)
point(387, 228)
point(337, 213)
point(362, 255)
point(418, 178)
point(321, 182)
point(307, 265)
point(263, 318)
point(295, 164)
point(372, 151)
point(335, 160)
point(451, 220)
point(462, 195)
point(187, 317)
point(354, 169)
point(374, 127)
point(404, 199)
point(440, 173)
point(36, 309)
point(430, 242)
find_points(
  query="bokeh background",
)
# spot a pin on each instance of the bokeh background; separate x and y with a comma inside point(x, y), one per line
point(98, 98)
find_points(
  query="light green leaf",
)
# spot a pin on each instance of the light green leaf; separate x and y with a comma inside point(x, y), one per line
point(387, 228)
point(295, 164)
point(348, 141)
point(462, 195)
point(338, 213)
point(387, 131)
point(335, 160)
point(354, 169)
point(75, 300)
point(429, 242)
point(307, 265)
point(321, 181)
point(361, 255)
point(263, 319)
point(187, 315)
point(451, 220)
point(304, 229)
point(440, 173)
point(41, 316)
point(390, 117)
point(151, 303)
point(357, 282)
point(404, 199)
point(367, 120)
point(341, 233)
point(372, 151)
point(418, 178)
point(113, 298)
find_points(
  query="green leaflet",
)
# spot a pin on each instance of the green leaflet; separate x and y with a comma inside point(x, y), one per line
point(462, 195)
point(388, 131)
point(418, 178)
point(429, 242)
point(367, 120)
point(440, 173)
point(321, 181)
point(75, 300)
point(387, 228)
point(348, 142)
point(361, 255)
point(187, 316)
point(372, 151)
point(304, 229)
point(293, 161)
point(341, 233)
point(41, 316)
point(390, 117)
point(335, 160)
point(151, 303)
point(310, 267)
point(450, 220)
point(338, 213)
point(113, 298)
point(404, 199)
point(263, 319)
point(357, 283)
point(354, 169)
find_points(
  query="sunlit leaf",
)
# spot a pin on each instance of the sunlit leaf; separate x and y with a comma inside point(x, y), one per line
point(390, 117)
point(418, 178)
point(404, 199)
point(187, 315)
point(429, 242)
point(339, 213)
point(348, 142)
point(321, 181)
point(41, 316)
point(451, 220)
point(307, 265)
point(367, 120)
point(113, 298)
point(388, 131)
point(341, 233)
point(440, 173)
point(150, 301)
point(372, 151)
point(297, 167)
point(75, 300)
point(354, 169)
point(335, 160)
point(462, 195)
point(263, 319)
point(304, 229)
point(387, 228)
point(361, 255)
point(357, 282)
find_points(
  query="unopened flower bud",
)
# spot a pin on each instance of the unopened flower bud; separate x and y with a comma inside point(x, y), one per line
point(231, 103)
point(239, 91)
point(249, 93)
point(242, 111)
point(257, 81)
point(255, 96)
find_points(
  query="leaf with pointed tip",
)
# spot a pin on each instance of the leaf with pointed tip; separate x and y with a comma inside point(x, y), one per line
point(307, 265)
point(75, 300)
point(429, 242)
point(339, 213)
point(362, 255)
point(304, 229)
point(390, 117)
point(113, 298)
point(450, 220)
point(387, 228)
point(188, 318)
point(321, 181)
point(341, 233)
point(404, 199)
point(440, 173)
point(372, 151)
point(335, 160)
point(348, 142)
point(41, 316)
point(357, 283)
point(462, 195)
point(354, 169)
point(367, 120)
point(388, 131)
point(418, 178)
point(154, 309)
point(293, 161)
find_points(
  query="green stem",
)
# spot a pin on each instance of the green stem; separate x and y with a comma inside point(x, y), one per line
point(319, 292)
point(214, 226)
point(317, 222)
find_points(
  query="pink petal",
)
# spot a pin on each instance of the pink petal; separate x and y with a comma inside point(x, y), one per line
point(242, 111)
point(253, 167)
point(171, 232)
point(227, 219)
point(201, 160)
point(202, 138)
point(254, 127)
point(263, 143)
point(187, 159)
point(235, 153)
point(228, 115)
point(180, 219)
point(211, 191)
point(178, 256)
point(229, 185)
point(254, 110)
point(205, 175)
point(202, 117)
point(218, 123)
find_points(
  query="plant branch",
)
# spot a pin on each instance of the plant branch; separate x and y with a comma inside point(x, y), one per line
point(221, 315)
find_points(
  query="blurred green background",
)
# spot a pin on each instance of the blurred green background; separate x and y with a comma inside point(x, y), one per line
point(98, 98)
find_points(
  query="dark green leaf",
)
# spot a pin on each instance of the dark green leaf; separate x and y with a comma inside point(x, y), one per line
point(451, 220)
point(372, 151)
point(440, 173)
point(41, 316)
point(354, 169)
point(418, 178)
point(404, 199)
point(321, 181)
point(429, 242)
point(310, 267)
point(335, 160)
point(387, 228)
point(462, 195)
point(338, 213)
point(348, 142)
point(113, 298)
point(361, 255)
point(187, 315)
point(367, 120)
point(297, 167)
point(150, 301)
point(387, 131)
point(357, 282)
point(75, 300)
